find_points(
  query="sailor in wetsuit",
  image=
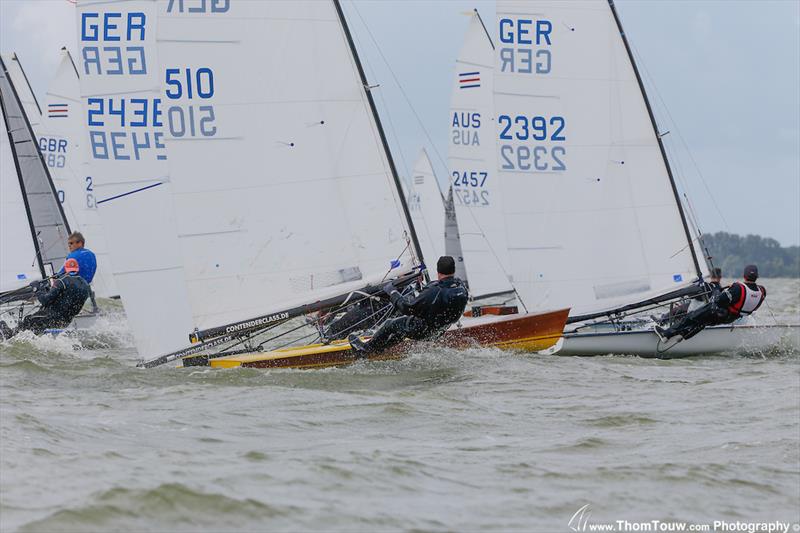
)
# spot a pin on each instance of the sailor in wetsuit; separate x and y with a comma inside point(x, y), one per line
point(711, 290)
point(61, 300)
point(740, 298)
point(426, 316)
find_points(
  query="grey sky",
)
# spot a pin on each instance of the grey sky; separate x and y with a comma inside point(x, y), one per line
point(724, 74)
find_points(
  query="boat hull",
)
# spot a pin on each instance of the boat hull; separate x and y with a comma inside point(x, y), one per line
point(712, 340)
point(529, 332)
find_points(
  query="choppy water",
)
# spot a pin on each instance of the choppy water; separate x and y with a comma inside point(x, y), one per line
point(458, 441)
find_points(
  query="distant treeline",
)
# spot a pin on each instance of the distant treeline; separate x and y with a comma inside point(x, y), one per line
point(732, 252)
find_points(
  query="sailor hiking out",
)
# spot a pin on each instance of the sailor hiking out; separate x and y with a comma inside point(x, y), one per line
point(424, 316)
point(738, 299)
point(61, 299)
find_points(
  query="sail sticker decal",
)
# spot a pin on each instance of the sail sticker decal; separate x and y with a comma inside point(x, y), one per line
point(677, 278)
point(532, 38)
point(57, 110)
point(469, 80)
point(130, 192)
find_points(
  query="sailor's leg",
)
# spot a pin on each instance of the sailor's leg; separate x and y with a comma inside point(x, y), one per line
point(693, 323)
point(5, 331)
point(38, 323)
point(357, 318)
point(95, 309)
point(392, 332)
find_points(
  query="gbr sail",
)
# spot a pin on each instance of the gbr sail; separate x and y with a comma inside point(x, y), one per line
point(60, 134)
point(33, 229)
point(592, 215)
point(249, 138)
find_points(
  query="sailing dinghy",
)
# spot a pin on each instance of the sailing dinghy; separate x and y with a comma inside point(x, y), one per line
point(243, 141)
point(33, 229)
point(559, 166)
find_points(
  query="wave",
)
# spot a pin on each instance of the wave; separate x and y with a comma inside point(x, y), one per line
point(171, 506)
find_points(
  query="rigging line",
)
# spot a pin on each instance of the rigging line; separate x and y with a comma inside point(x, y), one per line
point(680, 136)
point(400, 86)
point(634, 312)
point(408, 179)
point(432, 144)
point(774, 318)
point(366, 97)
point(312, 334)
point(691, 214)
point(387, 308)
point(388, 116)
point(252, 335)
point(396, 138)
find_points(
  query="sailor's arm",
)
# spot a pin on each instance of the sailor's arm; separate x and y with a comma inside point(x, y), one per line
point(50, 293)
point(408, 305)
point(731, 294)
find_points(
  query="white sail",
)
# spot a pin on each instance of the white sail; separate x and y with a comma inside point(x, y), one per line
point(426, 206)
point(22, 86)
point(18, 265)
point(591, 217)
point(278, 182)
point(61, 137)
point(452, 239)
point(477, 190)
point(123, 110)
point(34, 230)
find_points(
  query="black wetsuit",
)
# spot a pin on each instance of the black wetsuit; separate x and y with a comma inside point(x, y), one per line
point(724, 308)
point(711, 290)
point(425, 316)
point(60, 303)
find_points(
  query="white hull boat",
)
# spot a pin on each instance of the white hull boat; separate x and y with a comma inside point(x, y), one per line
point(739, 338)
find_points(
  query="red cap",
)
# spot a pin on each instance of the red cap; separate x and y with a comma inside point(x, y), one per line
point(71, 265)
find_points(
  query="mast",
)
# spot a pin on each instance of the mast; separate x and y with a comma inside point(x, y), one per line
point(658, 138)
point(36, 144)
point(13, 146)
point(385, 143)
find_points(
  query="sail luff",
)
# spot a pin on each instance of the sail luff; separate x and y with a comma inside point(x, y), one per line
point(475, 183)
point(657, 134)
point(12, 145)
point(483, 25)
point(379, 126)
point(49, 226)
point(60, 134)
point(14, 57)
